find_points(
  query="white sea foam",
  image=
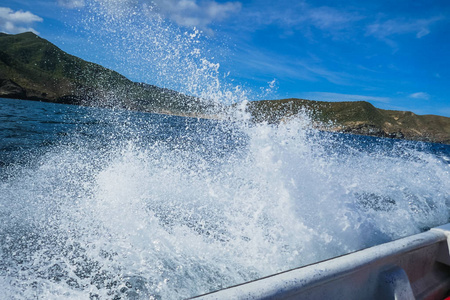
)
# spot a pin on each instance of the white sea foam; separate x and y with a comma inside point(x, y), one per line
point(175, 220)
point(173, 208)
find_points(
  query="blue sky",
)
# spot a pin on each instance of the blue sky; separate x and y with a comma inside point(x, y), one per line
point(394, 54)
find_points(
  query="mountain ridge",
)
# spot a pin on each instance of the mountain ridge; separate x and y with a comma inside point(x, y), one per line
point(358, 117)
point(32, 68)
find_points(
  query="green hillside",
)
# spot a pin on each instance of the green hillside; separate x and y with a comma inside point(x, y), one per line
point(356, 117)
point(35, 69)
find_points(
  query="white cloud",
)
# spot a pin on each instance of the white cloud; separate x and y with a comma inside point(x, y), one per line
point(17, 21)
point(384, 30)
point(196, 14)
point(191, 13)
point(324, 96)
point(71, 3)
point(290, 68)
point(299, 16)
point(328, 18)
point(420, 95)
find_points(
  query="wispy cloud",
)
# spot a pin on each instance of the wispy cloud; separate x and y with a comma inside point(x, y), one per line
point(420, 95)
point(329, 18)
point(383, 30)
point(196, 14)
point(288, 68)
point(300, 17)
point(17, 21)
point(189, 13)
point(71, 3)
point(325, 96)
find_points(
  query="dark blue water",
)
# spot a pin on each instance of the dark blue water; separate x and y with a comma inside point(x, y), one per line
point(28, 128)
point(97, 203)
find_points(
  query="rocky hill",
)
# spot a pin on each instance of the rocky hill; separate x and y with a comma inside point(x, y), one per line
point(34, 69)
point(356, 117)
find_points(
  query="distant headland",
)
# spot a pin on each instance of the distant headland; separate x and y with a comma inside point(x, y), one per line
point(32, 68)
point(358, 118)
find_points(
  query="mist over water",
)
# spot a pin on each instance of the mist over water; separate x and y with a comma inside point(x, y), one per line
point(146, 45)
point(110, 204)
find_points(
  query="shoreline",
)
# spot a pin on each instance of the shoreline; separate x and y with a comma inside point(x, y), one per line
point(361, 129)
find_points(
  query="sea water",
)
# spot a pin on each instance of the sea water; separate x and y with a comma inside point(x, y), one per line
point(110, 204)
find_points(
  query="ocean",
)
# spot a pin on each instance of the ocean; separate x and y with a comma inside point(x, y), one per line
point(112, 204)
